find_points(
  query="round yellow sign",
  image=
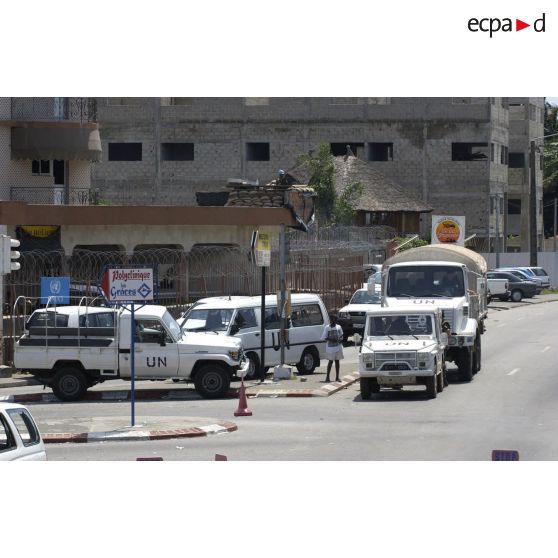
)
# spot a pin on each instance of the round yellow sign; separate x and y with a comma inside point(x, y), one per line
point(448, 231)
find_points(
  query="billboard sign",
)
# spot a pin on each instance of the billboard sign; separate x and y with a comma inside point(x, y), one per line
point(128, 284)
point(448, 229)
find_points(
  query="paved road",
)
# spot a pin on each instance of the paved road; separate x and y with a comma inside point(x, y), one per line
point(510, 404)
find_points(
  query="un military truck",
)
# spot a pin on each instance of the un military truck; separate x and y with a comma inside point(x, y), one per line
point(448, 277)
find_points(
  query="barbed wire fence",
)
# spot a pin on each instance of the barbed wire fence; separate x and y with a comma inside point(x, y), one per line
point(329, 262)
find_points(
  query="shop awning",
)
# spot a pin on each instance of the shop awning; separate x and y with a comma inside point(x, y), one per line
point(46, 143)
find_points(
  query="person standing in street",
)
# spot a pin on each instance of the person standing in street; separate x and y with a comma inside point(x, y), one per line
point(333, 336)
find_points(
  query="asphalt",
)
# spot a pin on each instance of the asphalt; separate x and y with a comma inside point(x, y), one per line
point(117, 428)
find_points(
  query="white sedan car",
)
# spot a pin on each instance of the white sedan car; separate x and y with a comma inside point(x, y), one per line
point(20, 439)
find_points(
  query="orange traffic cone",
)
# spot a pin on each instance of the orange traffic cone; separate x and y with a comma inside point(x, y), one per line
point(242, 410)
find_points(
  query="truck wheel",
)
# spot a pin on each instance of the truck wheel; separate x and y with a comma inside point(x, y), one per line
point(308, 361)
point(212, 381)
point(431, 387)
point(465, 364)
point(253, 365)
point(477, 355)
point(69, 384)
point(440, 380)
point(365, 388)
point(516, 295)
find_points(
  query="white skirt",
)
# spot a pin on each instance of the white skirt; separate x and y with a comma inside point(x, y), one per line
point(334, 353)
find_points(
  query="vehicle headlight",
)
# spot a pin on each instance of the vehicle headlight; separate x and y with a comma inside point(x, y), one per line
point(423, 360)
point(343, 315)
point(235, 354)
point(368, 359)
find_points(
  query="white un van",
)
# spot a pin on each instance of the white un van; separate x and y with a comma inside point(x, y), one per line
point(240, 316)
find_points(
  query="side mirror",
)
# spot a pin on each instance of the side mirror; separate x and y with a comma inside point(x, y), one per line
point(346, 301)
point(358, 339)
point(162, 339)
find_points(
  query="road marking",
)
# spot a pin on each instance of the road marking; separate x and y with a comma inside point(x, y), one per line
point(519, 319)
point(513, 372)
point(547, 348)
point(502, 325)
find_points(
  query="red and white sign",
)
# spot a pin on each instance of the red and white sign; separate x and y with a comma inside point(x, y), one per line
point(128, 284)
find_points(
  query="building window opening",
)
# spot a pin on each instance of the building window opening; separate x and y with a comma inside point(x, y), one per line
point(340, 149)
point(124, 152)
point(516, 160)
point(41, 168)
point(380, 151)
point(514, 207)
point(58, 170)
point(257, 151)
point(177, 151)
point(469, 151)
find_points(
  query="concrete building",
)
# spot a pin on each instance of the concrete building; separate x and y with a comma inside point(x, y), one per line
point(526, 123)
point(47, 147)
point(451, 153)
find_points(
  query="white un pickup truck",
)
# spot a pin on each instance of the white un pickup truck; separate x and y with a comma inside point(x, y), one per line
point(402, 346)
point(72, 348)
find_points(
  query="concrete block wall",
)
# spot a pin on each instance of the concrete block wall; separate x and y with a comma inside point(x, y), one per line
point(421, 130)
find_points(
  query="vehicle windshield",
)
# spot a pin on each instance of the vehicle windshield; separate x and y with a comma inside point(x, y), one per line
point(172, 326)
point(204, 319)
point(539, 272)
point(425, 281)
point(364, 297)
point(400, 324)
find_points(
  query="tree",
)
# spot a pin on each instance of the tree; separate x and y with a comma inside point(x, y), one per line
point(550, 168)
point(550, 180)
point(331, 208)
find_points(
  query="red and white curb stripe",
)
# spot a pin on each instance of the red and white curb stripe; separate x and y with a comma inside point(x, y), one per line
point(140, 435)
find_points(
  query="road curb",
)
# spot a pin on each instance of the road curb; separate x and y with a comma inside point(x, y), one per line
point(139, 435)
point(177, 395)
point(324, 391)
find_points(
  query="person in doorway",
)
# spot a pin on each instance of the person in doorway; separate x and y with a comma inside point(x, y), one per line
point(333, 336)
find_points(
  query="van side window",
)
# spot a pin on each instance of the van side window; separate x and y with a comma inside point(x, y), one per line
point(7, 441)
point(245, 318)
point(25, 426)
point(306, 315)
point(271, 318)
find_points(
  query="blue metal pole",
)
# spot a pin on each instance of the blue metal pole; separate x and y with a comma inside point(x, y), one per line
point(133, 366)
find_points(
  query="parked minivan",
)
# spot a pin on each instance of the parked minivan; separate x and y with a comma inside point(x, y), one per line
point(240, 316)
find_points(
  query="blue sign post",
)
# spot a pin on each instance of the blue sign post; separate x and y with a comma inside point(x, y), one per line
point(55, 290)
point(125, 286)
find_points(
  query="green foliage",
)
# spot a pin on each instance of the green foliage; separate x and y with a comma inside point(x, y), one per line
point(330, 208)
point(344, 208)
point(550, 181)
point(413, 244)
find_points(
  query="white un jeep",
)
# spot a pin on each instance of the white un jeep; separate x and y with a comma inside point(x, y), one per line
point(402, 346)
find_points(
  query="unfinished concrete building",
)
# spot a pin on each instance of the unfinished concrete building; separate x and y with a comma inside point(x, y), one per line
point(459, 155)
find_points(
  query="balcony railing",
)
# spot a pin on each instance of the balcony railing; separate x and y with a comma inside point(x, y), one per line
point(77, 109)
point(55, 195)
